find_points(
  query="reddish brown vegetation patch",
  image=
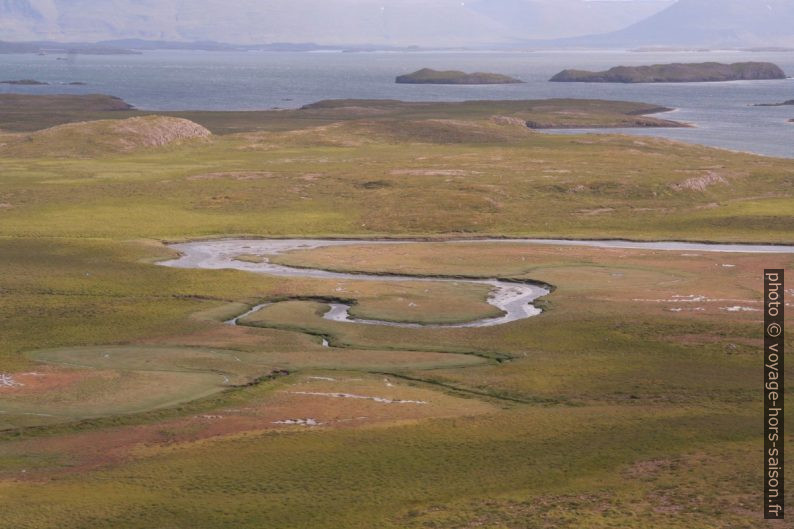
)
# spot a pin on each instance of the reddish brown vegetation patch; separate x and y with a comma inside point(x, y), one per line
point(44, 380)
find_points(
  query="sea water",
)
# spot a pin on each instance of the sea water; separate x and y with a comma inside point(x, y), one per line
point(722, 113)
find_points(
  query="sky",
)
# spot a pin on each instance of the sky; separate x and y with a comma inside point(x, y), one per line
point(396, 22)
point(429, 23)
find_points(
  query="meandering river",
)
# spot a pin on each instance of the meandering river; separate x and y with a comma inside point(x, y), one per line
point(514, 299)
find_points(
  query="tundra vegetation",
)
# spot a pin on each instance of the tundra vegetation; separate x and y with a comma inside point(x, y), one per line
point(127, 402)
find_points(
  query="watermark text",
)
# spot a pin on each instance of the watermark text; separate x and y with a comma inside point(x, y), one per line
point(774, 306)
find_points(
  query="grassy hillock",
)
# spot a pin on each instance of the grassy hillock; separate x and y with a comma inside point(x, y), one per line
point(103, 137)
point(429, 76)
point(675, 73)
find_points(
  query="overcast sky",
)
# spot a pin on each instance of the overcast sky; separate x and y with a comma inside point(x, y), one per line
point(435, 23)
point(398, 22)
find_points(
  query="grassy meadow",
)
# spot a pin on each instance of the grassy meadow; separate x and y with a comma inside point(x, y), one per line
point(424, 173)
point(633, 401)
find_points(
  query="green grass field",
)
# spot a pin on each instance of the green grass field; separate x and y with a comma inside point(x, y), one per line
point(632, 402)
point(358, 179)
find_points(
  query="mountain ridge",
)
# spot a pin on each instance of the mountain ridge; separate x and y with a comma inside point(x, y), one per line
point(699, 23)
point(403, 22)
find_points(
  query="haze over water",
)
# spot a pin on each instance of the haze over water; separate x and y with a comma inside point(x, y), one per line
point(168, 80)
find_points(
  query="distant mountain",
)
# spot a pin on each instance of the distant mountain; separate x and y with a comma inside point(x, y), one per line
point(52, 47)
point(705, 23)
point(330, 22)
point(21, 18)
point(567, 18)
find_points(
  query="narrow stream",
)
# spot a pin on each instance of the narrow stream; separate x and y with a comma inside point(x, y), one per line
point(514, 299)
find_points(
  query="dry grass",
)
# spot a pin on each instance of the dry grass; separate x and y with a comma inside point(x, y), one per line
point(104, 137)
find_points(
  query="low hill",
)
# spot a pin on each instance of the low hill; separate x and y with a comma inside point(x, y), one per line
point(429, 76)
point(25, 104)
point(355, 133)
point(96, 138)
point(538, 114)
point(675, 73)
point(24, 114)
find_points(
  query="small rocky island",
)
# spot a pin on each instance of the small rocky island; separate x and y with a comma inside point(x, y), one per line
point(429, 76)
point(790, 102)
point(676, 73)
point(24, 82)
point(33, 82)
